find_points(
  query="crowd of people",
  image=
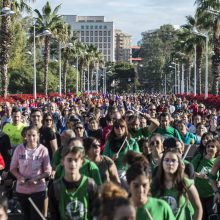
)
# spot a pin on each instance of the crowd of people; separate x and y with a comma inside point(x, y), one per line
point(112, 157)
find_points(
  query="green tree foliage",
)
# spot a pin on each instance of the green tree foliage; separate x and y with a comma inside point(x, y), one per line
point(156, 49)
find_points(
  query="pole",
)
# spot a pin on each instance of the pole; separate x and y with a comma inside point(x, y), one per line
point(182, 81)
point(105, 79)
point(165, 89)
point(206, 67)
point(77, 74)
point(97, 78)
point(60, 83)
point(88, 80)
point(195, 72)
point(175, 83)
point(103, 74)
point(178, 78)
point(35, 69)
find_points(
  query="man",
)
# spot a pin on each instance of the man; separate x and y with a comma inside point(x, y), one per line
point(165, 129)
point(14, 129)
point(47, 135)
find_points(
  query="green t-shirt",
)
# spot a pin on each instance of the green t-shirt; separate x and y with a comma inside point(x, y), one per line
point(157, 208)
point(168, 132)
point(133, 146)
point(202, 165)
point(14, 133)
point(56, 158)
point(88, 168)
point(140, 133)
point(182, 209)
point(74, 205)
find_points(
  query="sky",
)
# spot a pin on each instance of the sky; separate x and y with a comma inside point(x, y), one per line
point(131, 16)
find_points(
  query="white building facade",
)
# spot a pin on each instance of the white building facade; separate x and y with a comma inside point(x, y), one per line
point(94, 30)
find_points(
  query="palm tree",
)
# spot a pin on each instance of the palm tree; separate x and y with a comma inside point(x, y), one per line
point(5, 39)
point(47, 20)
point(190, 41)
point(210, 22)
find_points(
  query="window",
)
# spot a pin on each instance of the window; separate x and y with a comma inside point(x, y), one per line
point(105, 39)
point(105, 33)
point(87, 27)
point(109, 45)
point(109, 39)
point(91, 27)
point(100, 33)
point(91, 38)
point(109, 33)
point(87, 33)
point(82, 33)
point(100, 39)
point(105, 27)
point(96, 27)
point(82, 27)
point(91, 33)
point(96, 33)
point(87, 39)
point(105, 45)
point(100, 45)
point(100, 27)
point(96, 39)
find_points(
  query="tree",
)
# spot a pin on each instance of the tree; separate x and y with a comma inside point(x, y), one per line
point(187, 41)
point(47, 20)
point(210, 22)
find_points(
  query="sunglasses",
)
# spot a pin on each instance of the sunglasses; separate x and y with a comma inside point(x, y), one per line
point(80, 128)
point(96, 145)
point(154, 142)
point(210, 146)
point(119, 126)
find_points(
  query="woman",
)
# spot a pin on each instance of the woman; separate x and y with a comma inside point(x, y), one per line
point(139, 180)
point(48, 121)
point(203, 166)
point(94, 130)
point(115, 204)
point(31, 165)
point(107, 168)
point(118, 143)
point(156, 149)
point(171, 185)
point(204, 139)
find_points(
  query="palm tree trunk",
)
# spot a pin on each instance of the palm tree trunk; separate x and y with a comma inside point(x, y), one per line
point(46, 62)
point(215, 64)
point(5, 42)
point(199, 67)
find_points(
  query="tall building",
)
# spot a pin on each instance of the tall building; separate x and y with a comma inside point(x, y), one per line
point(96, 31)
point(122, 46)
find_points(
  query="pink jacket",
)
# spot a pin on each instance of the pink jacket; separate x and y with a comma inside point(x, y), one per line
point(31, 167)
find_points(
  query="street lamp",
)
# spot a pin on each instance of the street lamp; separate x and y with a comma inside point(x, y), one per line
point(206, 58)
point(44, 33)
point(176, 78)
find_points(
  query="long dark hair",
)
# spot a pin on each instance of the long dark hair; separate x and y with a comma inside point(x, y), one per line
point(179, 177)
point(201, 148)
point(115, 142)
point(139, 165)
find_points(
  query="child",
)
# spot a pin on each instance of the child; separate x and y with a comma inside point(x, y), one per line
point(71, 196)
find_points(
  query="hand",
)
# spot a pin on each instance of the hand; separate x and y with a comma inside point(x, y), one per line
point(115, 157)
point(217, 197)
point(203, 176)
point(21, 180)
point(32, 181)
point(52, 174)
